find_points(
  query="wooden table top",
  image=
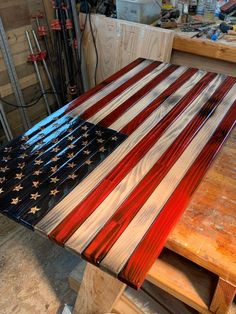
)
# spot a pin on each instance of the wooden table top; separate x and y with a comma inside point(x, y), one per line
point(110, 174)
point(206, 233)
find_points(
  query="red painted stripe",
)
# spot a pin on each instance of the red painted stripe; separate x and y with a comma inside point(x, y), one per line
point(134, 123)
point(148, 250)
point(119, 111)
point(78, 215)
point(105, 239)
point(78, 101)
point(105, 100)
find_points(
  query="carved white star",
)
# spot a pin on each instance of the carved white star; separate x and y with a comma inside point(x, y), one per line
point(71, 146)
point(55, 158)
point(84, 143)
point(18, 188)
point(6, 158)
point(38, 152)
point(99, 133)
point(71, 138)
point(15, 201)
point(54, 180)
point(114, 138)
point(85, 135)
point(7, 149)
point(2, 179)
point(37, 172)
point(100, 140)
point(34, 196)
point(55, 140)
point(19, 176)
point(102, 149)
point(1, 191)
point(86, 152)
point(56, 149)
point(4, 169)
point(38, 162)
point(35, 184)
point(72, 176)
point(71, 165)
point(88, 162)
point(33, 210)
point(84, 127)
point(54, 169)
point(22, 156)
point(70, 155)
point(54, 192)
point(21, 165)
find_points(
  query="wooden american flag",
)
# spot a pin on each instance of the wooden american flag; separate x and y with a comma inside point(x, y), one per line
point(109, 174)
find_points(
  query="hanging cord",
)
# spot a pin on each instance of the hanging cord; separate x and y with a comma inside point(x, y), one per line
point(35, 101)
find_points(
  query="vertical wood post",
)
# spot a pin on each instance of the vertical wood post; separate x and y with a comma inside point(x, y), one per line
point(98, 292)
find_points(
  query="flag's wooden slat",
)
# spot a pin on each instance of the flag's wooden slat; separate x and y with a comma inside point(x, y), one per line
point(119, 254)
point(57, 214)
point(152, 97)
point(98, 105)
point(123, 179)
point(133, 90)
point(143, 184)
point(110, 88)
point(137, 267)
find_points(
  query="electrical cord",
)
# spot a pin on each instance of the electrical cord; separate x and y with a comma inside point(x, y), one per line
point(30, 104)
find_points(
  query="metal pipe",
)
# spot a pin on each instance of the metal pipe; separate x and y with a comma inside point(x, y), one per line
point(13, 77)
point(38, 73)
point(5, 125)
point(46, 69)
point(78, 38)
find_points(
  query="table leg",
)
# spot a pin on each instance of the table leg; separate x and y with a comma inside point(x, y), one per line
point(223, 297)
point(98, 292)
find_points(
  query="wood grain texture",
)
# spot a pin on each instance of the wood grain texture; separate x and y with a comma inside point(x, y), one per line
point(205, 48)
point(161, 138)
point(223, 297)
point(135, 39)
point(93, 296)
point(121, 250)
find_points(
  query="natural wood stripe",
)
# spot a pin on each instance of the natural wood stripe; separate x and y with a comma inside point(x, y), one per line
point(80, 239)
point(122, 249)
point(59, 212)
point(108, 89)
point(125, 95)
point(143, 103)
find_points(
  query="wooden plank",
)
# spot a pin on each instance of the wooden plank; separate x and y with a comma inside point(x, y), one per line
point(15, 16)
point(122, 250)
point(206, 232)
point(205, 48)
point(93, 296)
point(223, 297)
point(203, 63)
point(120, 42)
point(184, 280)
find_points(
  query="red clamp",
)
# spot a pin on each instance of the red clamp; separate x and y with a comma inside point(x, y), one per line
point(75, 44)
point(39, 16)
point(69, 24)
point(42, 31)
point(32, 57)
point(56, 25)
point(41, 55)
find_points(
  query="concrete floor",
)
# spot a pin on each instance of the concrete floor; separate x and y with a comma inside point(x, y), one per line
point(33, 272)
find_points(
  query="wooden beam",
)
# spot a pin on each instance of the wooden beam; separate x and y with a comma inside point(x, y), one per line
point(206, 48)
point(223, 297)
point(98, 292)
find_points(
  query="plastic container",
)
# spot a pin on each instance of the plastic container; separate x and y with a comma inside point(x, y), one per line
point(140, 11)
